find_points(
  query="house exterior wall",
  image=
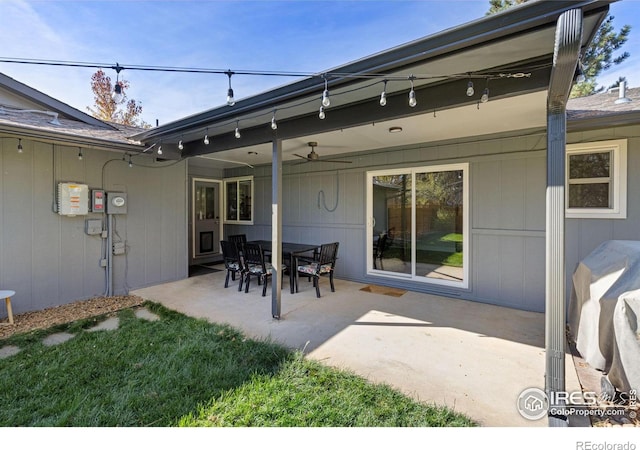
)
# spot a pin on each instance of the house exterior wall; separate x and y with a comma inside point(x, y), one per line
point(507, 211)
point(49, 260)
point(584, 235)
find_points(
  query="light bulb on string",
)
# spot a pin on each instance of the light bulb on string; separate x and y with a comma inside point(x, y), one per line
point(470, 90)
point(274, 124)
point(321, 114)
point(412, 94)
point(326, 102)
point(130, 162)
point(160, 149)
point(230, 100)
point(180, 145)
point(383, 95)
point(117, 95)
point(20, 149)
point(79, 153)
point(237, 133)
point(485, 95)
point(206, 137)
point(117, 92)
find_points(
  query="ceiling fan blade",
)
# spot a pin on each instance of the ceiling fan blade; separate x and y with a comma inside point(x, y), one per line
point(335, 161)
point(300, 156)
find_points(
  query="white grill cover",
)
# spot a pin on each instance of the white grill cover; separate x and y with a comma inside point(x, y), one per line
point(604, 311)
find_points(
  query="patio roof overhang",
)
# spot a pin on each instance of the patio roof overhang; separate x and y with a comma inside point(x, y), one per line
point(514, 49)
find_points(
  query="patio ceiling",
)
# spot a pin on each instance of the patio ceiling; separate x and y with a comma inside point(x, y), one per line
point(511, 53)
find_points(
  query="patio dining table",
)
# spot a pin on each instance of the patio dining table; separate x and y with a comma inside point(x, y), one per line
point(290, 250)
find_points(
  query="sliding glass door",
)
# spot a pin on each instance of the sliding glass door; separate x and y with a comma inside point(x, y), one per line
point(417, 226)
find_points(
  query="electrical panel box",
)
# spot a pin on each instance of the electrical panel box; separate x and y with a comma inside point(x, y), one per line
point(93, 227)
point(97, 200)
point(116, 203)
point(73, 199)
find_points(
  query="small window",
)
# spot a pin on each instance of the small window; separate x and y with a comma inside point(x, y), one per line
point(597, 180)
point(238, 197)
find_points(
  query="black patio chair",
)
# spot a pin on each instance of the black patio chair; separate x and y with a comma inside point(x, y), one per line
point(257, 266)
point(238, 239)
point(322, 264)
point(232, 262)
point(378, 250)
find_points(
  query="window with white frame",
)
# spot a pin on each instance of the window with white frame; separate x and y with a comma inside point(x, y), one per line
point(596, 175)
point(238, 200)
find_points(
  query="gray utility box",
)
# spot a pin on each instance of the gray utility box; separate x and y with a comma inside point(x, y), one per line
point(116, 202)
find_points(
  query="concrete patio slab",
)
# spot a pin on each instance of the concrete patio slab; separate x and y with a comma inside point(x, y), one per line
point(475, 358)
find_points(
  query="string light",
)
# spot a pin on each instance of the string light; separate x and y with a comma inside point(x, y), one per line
point(580, 78)
point(485, 95)
point(130, 162)
point(160, 149)
point(326, 95)
point(412, 94)
point(118, 95)
point(383, 95)
point(470, 90)
point(79, 153)
point(230, 100)
point(19, 145)
point(326, 102)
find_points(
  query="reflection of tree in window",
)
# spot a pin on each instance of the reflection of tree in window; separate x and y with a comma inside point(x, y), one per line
point(232, 201)
point(590, 180)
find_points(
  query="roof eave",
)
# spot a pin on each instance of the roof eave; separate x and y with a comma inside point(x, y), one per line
point(69, 139)
point(604, 121)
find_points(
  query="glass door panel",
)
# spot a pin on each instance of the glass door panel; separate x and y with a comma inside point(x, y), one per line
point(392, 212)
point(439, 225)
point(418, 224)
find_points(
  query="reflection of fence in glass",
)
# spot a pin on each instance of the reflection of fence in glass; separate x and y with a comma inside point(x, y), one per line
point(438, 218)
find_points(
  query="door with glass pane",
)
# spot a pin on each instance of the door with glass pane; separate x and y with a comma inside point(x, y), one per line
point(418, 224)
point(205, 218)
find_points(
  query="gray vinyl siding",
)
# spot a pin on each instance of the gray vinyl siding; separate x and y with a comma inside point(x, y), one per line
point(507, 211)
point(49, 260)
point(507, 194)
point(584, 235)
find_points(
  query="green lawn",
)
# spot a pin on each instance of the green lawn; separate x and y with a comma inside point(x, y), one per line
point(434, 248)
point(180, 371)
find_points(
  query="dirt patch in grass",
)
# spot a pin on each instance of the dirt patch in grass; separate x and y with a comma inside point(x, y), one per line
point(70, 312)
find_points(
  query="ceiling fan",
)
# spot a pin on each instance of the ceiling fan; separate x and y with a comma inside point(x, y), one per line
point(314, 157)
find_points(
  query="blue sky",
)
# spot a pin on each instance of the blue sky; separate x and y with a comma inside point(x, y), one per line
point(287, 35)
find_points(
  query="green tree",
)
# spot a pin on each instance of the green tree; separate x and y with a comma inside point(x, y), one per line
point(107, 109)
point(599, 56)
